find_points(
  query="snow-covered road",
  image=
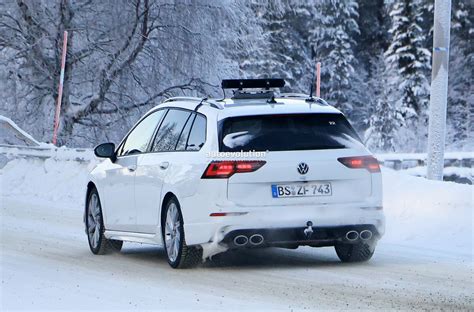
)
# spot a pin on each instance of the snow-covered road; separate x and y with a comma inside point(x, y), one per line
point(423, 262)
point(46, 264)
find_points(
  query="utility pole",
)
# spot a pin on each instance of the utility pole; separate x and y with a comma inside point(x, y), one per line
point(439, 90)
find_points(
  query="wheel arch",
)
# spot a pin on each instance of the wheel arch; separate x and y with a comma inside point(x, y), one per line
point(90, 187)
point(166, 198)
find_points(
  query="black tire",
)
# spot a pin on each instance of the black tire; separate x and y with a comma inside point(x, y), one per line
point(188, 256)
point(358, 252)
point(104, 245)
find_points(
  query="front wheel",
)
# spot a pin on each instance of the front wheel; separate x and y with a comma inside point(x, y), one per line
point(358, 252)
point(179, 254)
point(98, 243)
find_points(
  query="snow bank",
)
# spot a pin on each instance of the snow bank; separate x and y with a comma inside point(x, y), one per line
point(429, 214)
point(46, 180)
point(455, 173)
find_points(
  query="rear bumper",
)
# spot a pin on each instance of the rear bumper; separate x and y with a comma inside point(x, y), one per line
point(327, 220)
point(294, 237)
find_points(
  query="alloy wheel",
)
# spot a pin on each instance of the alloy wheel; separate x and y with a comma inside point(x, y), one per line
point(94, 221)
point(172, 232)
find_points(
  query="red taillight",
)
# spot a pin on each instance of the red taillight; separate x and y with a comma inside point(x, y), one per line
point(225, 169)
point(361, 162)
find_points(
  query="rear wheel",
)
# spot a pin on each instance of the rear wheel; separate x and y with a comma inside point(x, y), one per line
point(179, 254)
point(358, 252)
point(98, 243)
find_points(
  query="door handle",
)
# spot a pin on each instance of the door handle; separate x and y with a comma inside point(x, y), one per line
point(132, 168)
point(164, 165)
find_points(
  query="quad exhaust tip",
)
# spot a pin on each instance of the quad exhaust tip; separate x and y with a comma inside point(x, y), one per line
point(256, 239)
point(352, 236)
point(366, 235)
point(241, 240)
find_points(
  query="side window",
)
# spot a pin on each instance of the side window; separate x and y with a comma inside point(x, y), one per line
point(183, 138)
point(170, 130)
point(137, 141)
point(197, 136)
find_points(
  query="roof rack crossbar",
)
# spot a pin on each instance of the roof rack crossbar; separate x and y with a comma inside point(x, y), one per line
point(253, 95)
point(293, 95)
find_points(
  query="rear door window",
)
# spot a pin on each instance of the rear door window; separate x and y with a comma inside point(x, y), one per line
point(183, 138)
point(286, 133)
point(197, 136)
point(170, 130)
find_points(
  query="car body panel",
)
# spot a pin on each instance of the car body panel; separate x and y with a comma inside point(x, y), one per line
point(116, 185)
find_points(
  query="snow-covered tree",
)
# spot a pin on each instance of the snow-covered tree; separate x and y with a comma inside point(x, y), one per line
point(123, 57)
point(283, 51)
point(385, 117)
point(333, 44)
point(410, 61)
point(374, 23)
point(460, 117)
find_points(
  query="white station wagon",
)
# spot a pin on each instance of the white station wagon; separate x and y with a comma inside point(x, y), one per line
point(260, 169)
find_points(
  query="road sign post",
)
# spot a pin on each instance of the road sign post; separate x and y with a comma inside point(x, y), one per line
point(318, 79)
point(60, 89)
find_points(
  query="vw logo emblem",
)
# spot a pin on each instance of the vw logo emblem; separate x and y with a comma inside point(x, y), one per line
point(303, 168)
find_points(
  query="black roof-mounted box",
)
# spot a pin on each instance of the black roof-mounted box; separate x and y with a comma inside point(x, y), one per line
point(252, 83)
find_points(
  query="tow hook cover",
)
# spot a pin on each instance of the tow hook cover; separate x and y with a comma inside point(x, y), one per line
point(308, 231)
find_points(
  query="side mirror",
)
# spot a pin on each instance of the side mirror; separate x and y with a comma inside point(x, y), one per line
point(105, 150)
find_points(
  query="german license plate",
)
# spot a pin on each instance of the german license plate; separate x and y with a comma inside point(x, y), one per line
point(301, 190)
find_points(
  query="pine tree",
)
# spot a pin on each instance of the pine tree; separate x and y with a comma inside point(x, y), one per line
point(385, 117)
point(333, 43)
point(461, 81)
point(374, 23)
point(410, 60)
point(372, 40)
point(284, 51)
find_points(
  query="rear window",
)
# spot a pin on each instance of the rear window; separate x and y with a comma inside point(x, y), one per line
point(287, 133)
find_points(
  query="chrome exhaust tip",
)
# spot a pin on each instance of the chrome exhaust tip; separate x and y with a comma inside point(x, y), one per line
point(366, 234)
point(352, 236)
point(256, 239)
point(241, 240)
